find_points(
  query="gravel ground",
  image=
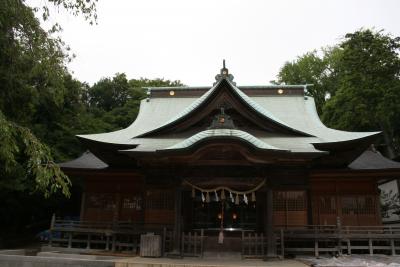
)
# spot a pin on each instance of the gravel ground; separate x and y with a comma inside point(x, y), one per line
point(353, 261)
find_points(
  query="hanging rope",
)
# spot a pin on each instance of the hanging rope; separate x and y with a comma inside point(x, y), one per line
point(203, 190)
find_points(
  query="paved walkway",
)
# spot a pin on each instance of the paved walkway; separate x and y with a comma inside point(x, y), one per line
point(195, 262)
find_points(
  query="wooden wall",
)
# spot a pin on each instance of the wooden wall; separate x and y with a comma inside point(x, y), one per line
point(125, 197)
point(113, 197)
point(354, 200)
point(160, 206)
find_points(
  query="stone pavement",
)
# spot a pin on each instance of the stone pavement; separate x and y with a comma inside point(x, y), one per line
point(375, 260)
point(196, 262)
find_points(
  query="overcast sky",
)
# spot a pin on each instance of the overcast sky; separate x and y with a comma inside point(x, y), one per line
point(187, 40)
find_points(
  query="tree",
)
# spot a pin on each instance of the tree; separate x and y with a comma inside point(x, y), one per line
point(25, 162)
point(368, 93)
point(36, 94)
point(32, 71)
point(361, 77)
point(318, 69)
point(108, 94)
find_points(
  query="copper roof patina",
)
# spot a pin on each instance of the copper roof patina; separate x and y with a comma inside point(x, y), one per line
point(293, 112)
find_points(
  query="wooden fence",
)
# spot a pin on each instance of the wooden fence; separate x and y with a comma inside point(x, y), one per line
point(121, 236)
point(192, 243)
point(315, 239)
point(338, 240)
point(253, 244)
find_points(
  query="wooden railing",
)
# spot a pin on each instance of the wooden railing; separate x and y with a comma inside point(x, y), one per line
point(105, 235)
point(253, 244)
point(302, 239)
point(338, 240)
point(192, 243)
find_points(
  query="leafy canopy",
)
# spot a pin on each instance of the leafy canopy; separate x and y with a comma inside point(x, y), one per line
point(33, 92)
point(368, 94)
point(361, 76)
point(25, 162)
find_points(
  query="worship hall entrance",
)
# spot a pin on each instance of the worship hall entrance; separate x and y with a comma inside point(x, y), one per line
point(223, 210)
point(224, 215)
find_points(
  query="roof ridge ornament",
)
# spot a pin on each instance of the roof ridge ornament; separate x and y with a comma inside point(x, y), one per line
point(224, 74)
point(222, 120)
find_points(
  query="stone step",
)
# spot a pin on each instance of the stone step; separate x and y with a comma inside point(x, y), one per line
point(213, 255)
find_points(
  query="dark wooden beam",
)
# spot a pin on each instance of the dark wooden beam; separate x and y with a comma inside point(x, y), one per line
point(269, 225)
point(176, 251)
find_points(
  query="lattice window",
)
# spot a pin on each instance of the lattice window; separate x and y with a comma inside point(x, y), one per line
point(366, 205)
point(349, 205)
point(327, 205)
point(296, 200)
point(160, 200)
point(289, 200)
point(279, 201)
point(104, 201)
point(132, 202)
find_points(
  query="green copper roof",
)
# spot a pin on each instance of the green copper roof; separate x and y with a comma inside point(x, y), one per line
point(261, 87)
point(193, 106)
point(256, 106)
point(252, 104)
point(227, 133)
point(292, 113)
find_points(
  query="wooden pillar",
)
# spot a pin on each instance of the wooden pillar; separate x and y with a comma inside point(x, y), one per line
point(348, 247)
point(201, 242)
point(178, 221)
point(83, 207)
point(88, 241)
point(282, 244)
point(107, 241)
point(392, 246)
point(316, 248)
point(113, 245)
point(53, 221)
point(370, 246)
point(70, 240)
point(269, 225)
point(339, 235)
point(117, 209)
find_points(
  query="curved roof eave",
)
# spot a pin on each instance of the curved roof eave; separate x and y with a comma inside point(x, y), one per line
point(365, 138)
point(227, 133)
point(301, 113)
point(105, 143)
point(314, 126)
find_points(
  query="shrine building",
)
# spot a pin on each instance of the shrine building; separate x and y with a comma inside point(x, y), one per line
point(226, 160)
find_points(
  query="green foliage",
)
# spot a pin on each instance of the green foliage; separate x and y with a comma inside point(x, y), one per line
point(361, 76)
point(36, 95)
point(368, 93)
point(108, 94)
point(38, 104)
point(86, 8)
point(31, 63)
point(23, 154)
point(315, 69)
